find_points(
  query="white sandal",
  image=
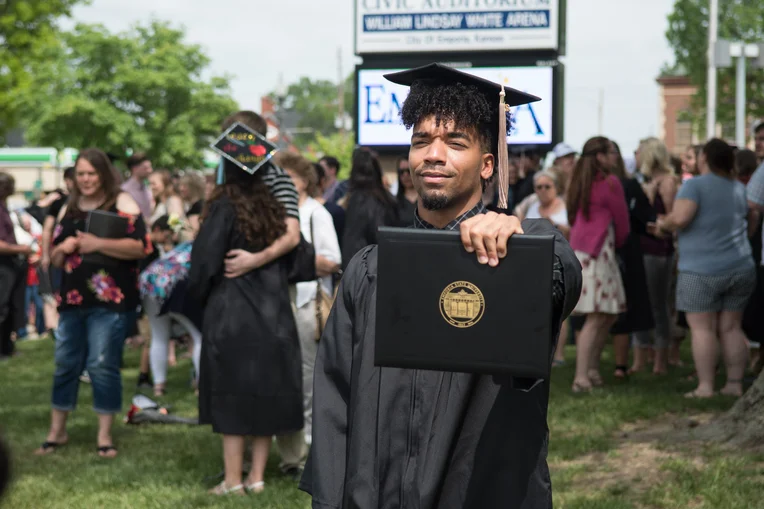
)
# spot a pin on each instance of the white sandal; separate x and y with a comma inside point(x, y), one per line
point(223, 489)
point(256, 487)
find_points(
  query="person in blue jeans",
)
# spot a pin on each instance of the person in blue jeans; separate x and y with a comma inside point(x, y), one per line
point(98, 291)
point(32, 295)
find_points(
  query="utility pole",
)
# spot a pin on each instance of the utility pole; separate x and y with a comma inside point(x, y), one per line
point(340, 92)
point(601, 112)
point(740, 100)
point(713, 29)
point(724, 52)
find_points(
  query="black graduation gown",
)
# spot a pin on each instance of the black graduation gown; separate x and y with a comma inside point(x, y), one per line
point(638, 315)
point(386, 438)
point(250, 377)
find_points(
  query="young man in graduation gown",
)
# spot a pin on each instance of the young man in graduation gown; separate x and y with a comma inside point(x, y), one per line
point(387, 438)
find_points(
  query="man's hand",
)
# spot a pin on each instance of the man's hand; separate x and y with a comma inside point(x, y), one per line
point(88, 243)
point(25, 250)
point(238, 262)
point(487, 235)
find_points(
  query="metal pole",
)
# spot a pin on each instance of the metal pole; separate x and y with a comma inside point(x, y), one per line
point(740, 100)
point(713, 28)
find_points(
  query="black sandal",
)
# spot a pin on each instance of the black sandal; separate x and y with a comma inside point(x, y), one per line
point(49, 448)
point(105, 449)
point(621, 372)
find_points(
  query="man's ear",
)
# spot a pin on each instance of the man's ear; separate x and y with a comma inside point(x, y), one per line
point(488, 165)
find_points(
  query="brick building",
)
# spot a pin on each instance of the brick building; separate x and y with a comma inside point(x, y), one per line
point(674, 125)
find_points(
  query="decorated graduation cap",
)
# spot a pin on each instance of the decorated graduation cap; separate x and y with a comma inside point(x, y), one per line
point(244, 147)
point(439, 74)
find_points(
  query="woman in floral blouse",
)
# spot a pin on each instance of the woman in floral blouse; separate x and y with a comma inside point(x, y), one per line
point(95, 298)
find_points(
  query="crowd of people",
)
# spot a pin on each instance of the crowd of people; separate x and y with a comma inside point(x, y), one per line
point(665, 245)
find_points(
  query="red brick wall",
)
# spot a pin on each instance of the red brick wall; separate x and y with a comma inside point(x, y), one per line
point(675, 96)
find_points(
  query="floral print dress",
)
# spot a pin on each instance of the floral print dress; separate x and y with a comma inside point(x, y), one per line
point(86, 284)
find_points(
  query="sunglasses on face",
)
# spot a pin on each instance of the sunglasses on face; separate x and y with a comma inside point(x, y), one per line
point(543, 187)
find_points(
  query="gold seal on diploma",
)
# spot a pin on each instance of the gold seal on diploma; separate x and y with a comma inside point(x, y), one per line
point(462, 304)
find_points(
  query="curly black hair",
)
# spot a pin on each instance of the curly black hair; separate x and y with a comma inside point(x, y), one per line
point(464, 105)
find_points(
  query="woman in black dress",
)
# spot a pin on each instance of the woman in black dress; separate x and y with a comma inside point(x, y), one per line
point(638, 316)
point(368, 205)
point(407, 195)
point(250, 380)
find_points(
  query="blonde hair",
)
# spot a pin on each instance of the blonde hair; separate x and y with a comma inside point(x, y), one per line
point(548, 174)
point(166, 179)
point(655, 158)
point(195, 184)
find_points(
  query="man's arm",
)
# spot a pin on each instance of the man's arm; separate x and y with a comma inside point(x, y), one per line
point(239, 262)
point(14, 249)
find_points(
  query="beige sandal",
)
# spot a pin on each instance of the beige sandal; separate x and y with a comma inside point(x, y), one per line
point(255, 487)
point(223, 489)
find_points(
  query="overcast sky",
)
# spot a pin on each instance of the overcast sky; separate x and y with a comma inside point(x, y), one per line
point(617, 46)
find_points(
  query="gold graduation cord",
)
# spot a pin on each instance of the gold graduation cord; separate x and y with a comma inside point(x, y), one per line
point(503, 161)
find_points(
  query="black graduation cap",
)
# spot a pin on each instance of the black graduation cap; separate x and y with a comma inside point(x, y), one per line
point(112, 157)
point(246, 148)
point(439, 74)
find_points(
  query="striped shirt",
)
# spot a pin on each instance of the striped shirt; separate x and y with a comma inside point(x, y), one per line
point(282, 188)
point(558, 280)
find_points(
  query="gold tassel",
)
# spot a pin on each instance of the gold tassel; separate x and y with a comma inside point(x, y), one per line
point(503, 162)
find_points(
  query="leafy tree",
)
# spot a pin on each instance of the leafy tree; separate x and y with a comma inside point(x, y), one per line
point(739, 20)
point(336, 145)
point(140, 90)
point(316, 103)
point(27, 28)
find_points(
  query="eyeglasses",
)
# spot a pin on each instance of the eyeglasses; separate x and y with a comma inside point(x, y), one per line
point(401, 171)
point(543, 187)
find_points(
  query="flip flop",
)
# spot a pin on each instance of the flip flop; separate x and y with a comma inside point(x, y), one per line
point(694, 395)
point(104, 450)
point(49, 448)
point(580, 389)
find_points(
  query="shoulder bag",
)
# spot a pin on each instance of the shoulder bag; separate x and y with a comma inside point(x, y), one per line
point(324, 301)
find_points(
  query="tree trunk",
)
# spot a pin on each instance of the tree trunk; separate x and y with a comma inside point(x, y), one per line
point(743, 424)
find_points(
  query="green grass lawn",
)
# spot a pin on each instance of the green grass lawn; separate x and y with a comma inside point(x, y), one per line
point(602, 452)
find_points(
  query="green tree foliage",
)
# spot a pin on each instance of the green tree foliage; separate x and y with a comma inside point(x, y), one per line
point(141, 90)
point(27, 28)
point(739, 20)
point(336, 145)
point(316, 103)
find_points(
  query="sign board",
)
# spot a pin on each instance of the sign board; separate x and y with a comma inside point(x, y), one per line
point(379, 104)
point(419, 26)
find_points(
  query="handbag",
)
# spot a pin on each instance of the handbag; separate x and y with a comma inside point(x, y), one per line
point(324, 301)
point(302, 262)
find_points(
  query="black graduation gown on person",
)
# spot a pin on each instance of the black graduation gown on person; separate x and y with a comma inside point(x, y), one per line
point(638, 315)
point(250, 377)
point(386, 438)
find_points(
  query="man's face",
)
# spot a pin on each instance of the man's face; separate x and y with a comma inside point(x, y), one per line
point(69, 185)
point(447, 164)
point(143, 170)
point(565, 165)
point(331, 173)
point(759, 139)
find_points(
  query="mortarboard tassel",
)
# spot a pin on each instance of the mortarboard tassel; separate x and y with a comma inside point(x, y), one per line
point(503, 161)
point(221, 173)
